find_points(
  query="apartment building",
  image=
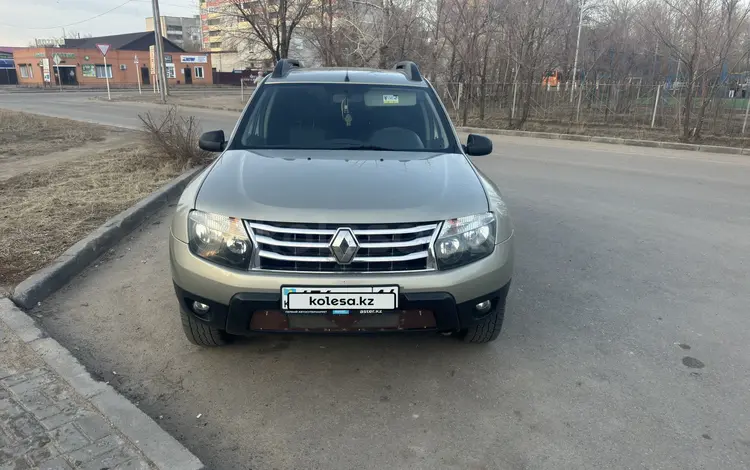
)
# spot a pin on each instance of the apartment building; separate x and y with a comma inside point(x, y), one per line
point(183, 31)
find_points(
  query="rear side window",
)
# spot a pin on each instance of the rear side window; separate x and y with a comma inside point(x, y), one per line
point(345, 116)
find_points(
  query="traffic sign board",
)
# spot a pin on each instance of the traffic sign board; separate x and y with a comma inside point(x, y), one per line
point(103, 48)
point(56, 59)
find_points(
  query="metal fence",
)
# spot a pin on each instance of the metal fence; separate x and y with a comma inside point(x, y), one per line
point(626, 105)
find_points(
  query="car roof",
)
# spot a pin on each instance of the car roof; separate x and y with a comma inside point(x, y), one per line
point(339, 75)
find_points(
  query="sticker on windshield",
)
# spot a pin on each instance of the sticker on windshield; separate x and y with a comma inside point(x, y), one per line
point(390, 99)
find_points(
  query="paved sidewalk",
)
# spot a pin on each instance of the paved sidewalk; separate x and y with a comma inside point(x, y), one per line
point(53, 415)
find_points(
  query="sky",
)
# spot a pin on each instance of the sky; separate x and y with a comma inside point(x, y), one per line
point(21, 21)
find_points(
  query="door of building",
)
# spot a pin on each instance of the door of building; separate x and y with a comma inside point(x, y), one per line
point(66, 74)
point(188, 76)
point(69, 76)
point(145, 74)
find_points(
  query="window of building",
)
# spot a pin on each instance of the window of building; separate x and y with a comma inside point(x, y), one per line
point(199, 72)
point(216, 32)
point(26, 71)
point(214, 21)
point(174, 28)
point(170, 71)
point(100, 73)
point(215, 45)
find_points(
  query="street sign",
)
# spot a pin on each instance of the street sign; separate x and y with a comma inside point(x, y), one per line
point(45, 70)
point(103, 48)
point(137, 73)
point(56, 60)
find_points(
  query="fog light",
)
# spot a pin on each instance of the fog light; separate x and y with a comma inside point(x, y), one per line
point(200, 308)
point(483, 306)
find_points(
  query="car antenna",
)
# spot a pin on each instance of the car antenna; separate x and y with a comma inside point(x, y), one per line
point(346, 78)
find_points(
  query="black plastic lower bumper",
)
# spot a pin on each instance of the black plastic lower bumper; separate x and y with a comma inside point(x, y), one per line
point(237, 317)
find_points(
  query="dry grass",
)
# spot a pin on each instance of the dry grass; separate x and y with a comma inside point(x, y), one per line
point(46, 211)
point(31, 134)
point(610, 129)
point(225, 101)
point(174, 137)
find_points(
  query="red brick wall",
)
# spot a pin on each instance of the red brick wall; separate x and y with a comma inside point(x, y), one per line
point(85, 57)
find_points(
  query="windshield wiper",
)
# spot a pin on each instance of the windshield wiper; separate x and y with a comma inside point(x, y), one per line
point(362, 147)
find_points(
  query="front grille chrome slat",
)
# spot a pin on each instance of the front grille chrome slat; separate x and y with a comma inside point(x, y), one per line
point(290, 230)
point(293, 244)
point(331, 259)
point(297, 259)
point(415, 242)
point(397, 231)
point(305, 247)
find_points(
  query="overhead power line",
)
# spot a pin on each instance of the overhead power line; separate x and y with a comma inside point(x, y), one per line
point(71, 24)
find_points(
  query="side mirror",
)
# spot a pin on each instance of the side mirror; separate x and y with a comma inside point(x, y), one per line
point(477, 145)
point(212, 141)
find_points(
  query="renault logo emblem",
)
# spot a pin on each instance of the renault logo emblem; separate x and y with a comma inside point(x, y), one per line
point(344, 246)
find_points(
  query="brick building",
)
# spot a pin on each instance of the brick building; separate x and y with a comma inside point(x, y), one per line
point(81, 63)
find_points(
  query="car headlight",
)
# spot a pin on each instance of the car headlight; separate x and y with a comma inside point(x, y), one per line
point(222, 240)
point(465, 240)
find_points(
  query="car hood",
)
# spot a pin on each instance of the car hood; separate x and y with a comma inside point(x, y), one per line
point(337, 186)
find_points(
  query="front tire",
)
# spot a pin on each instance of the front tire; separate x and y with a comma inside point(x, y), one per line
point(201, 334)
point(485, 330)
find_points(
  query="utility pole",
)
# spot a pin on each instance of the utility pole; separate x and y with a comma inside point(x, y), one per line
point(162, 68)
point(578, 43)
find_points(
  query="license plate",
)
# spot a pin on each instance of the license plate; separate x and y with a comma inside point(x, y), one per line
point(339, 300)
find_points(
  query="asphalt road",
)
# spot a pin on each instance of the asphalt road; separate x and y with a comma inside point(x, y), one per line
point(625, 345)
point(81, 106)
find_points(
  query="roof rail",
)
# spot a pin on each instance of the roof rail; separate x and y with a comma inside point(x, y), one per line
point(283, 67)
point(409, 69)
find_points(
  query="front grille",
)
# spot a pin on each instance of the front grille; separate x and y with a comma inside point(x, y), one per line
point(304, 247)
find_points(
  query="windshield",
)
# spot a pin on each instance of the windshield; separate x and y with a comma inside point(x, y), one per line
point(344, 116)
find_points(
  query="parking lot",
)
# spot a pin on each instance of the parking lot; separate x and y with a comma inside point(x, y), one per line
point(625, 344)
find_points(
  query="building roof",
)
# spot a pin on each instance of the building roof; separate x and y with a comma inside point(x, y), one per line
point(356, 75)
point(125, 42)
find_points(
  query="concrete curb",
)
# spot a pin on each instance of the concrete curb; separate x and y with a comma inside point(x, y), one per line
point(50, 278)
point(163, 450)
point(610, 140)
point(181, 105)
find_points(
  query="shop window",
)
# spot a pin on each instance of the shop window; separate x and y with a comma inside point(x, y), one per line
point(100, 72)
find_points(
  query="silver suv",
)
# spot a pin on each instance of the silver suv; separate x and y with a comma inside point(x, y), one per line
point(342, 202)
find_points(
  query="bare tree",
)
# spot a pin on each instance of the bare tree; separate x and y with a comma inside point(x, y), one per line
point(702, 35)
point(485, 50)
point(270, 23)
point(531, 25)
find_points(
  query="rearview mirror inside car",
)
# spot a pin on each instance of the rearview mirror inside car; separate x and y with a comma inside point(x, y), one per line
point(477, 145)
point(212, 141)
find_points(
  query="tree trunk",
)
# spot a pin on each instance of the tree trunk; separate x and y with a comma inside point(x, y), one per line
point(434, 49)
point(383, 48)
point(688, 108)
point(483, 80)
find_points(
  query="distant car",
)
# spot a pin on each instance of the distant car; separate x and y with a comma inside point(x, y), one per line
point(342, 202)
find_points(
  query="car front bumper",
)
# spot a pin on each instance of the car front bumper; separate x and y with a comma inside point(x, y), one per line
point(249, 302)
